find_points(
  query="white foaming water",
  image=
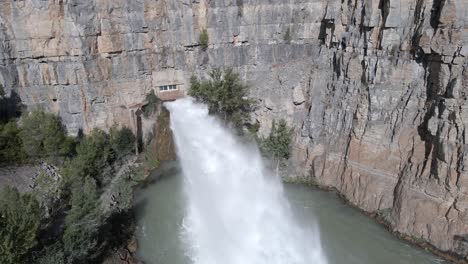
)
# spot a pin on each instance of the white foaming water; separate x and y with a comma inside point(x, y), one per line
point(236, 212)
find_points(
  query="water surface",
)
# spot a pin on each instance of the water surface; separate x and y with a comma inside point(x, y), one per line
point(347, 235)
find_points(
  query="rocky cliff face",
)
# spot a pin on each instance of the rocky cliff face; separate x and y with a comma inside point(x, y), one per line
point(376, 90)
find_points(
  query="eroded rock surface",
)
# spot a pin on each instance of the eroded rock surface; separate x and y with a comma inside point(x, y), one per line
point(376, 90)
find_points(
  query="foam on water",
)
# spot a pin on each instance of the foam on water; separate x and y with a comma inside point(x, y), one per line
point(236, 212)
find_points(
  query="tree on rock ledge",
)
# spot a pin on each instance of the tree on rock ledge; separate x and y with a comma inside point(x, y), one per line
point(224, 94)
point(278, 143)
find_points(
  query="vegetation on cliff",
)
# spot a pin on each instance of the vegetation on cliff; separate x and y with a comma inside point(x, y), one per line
point(69, 217)
point(203, 38)
point(20, 218)
point(43, 135)
point(278, 143)
point(225, 95)
point(151, 105)
point(11, 145)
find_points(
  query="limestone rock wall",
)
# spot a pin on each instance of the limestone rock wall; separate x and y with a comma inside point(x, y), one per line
point(376, 90)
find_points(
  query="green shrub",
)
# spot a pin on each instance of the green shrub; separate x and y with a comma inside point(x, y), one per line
point(47, 192)
point(96, 153)
point(152, 104)
point(20, 218)
point(53, 254)
point(278, 143)
point(224, 94)
point(150, 159)
point(93, 155)
point(82, 222)
point(86, 175)
point(11, 146)
point(43, 135)
point(123, 190)
point(122, 141)
point(287, 36)
point(203, 38)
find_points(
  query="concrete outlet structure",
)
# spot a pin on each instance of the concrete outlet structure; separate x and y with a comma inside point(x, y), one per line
point(169, 84)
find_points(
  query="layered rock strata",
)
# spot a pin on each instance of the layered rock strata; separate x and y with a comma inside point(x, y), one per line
point(376, 90)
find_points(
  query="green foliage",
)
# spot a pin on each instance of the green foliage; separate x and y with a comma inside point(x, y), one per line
point(43, 135)
point(11, 146)
point(82, 222)
point(203, 38)
point(278, 143)
point(90, 166)
point(53, 254)
point(122, 141)
point(20, 218)
point(152, 104)
point(93, 155)
point(224, 94)
point(287, 36)
point(150, 159)
point(47, 192)
point(96, 154)
point(123, 189)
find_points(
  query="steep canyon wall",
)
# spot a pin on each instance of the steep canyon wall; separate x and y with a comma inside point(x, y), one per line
point(376, 90)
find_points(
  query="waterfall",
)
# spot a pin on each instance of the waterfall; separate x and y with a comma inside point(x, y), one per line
point(236, 211)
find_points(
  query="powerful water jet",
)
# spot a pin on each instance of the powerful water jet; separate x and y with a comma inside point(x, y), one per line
point(236, 212)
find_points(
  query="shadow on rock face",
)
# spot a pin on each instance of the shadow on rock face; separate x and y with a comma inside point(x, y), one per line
point(10, 107)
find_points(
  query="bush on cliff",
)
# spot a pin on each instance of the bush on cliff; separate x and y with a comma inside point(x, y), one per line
point(75, 228)
point(53, 254)
point(225, 95)
point(43, 135)
point(93, 155)
point(151, 105)
point(11, 146)
point(278, 143)
point(96, 153)
point(203, 38)
point(20, 218)
point(122, 141)
point(82, 222)
point(287, 36)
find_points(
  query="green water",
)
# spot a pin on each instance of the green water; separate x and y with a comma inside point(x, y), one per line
point(347, 235)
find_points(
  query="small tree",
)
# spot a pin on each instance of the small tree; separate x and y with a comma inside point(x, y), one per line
point(53, 254)
point(224, 94)
point(47, 193)
point(94, 154)
point(278, 143)
point(152, 104)
point(43, 135)
point(287, 36)
point(11, 146)
point(82, 222)
point(203, 38)
point(122, 141)
point(20, 218)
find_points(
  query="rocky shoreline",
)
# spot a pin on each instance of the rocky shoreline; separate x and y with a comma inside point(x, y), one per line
point(124, 255)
